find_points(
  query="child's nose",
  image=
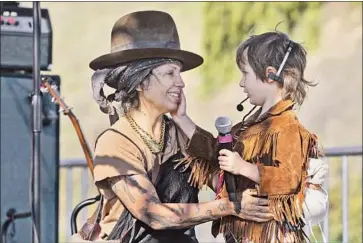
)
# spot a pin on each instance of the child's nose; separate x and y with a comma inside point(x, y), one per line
point(242, 83)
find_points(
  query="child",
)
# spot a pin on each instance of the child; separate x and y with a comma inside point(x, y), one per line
point(271, 148)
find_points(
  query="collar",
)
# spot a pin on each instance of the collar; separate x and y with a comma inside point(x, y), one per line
point(277, 109)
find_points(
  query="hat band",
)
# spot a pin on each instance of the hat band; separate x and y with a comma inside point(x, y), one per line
point(147, 44)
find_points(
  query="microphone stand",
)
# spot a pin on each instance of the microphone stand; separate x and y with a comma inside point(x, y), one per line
point(36, 127)
point(11, 215)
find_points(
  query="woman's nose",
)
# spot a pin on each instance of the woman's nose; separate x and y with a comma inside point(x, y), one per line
point(179, 82)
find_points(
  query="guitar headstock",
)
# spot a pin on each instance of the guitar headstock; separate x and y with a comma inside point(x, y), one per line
point(52, 89)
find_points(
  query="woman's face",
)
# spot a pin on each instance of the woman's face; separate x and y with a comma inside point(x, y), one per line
point(163, 91)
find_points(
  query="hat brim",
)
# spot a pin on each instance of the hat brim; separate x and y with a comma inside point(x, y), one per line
point(190, 60)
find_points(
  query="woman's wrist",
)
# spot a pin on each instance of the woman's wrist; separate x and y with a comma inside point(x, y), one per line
point(180, 118)
point(232, 207)
point(186, 125)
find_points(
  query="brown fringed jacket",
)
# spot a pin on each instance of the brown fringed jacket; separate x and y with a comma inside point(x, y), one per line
point(281, 147)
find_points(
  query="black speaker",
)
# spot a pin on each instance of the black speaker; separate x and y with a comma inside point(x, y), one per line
point(16, 134)
point(16, 28)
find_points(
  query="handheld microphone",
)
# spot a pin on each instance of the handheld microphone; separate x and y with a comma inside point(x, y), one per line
point(224, 126)
point(240, 106)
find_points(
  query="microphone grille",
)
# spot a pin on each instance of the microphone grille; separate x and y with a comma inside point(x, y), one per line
point(223, 124)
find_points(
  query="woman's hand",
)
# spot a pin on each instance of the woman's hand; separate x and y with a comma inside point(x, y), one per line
point(254, 208)
point(182, 108)
point(181, 118)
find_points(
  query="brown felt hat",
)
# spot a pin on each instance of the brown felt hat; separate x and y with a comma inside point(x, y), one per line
point(145, 34)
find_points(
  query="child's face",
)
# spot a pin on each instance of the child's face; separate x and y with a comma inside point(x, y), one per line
point(257, 90)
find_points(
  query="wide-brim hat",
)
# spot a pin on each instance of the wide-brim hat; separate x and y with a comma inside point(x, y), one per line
point(145, 34)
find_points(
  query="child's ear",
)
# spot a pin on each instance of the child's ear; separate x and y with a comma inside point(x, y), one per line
point(271, 74)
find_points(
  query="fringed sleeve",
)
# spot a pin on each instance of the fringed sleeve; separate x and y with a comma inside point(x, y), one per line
point(201, 158)
point(202, 144)
point(284, 182)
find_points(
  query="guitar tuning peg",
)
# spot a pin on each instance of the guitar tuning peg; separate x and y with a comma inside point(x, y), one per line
point(63, 111)
point(54, 87)
point(43, 89)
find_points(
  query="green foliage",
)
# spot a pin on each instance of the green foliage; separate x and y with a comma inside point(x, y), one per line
point(227, 24)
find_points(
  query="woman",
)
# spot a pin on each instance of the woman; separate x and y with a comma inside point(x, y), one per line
point(147, 197)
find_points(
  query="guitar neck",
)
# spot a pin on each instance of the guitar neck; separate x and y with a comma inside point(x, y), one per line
point(86, 150)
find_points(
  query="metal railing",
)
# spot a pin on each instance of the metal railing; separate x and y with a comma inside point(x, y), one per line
point(69, 165)
point(343, 152)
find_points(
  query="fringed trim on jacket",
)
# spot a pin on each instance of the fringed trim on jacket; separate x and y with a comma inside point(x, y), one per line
point(286, 208)
point(268, 144)
point(202, 170)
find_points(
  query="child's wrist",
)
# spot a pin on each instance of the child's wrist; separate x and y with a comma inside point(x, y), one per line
point(242, 168)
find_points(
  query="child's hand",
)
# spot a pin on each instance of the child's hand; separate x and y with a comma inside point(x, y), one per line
point(230, 161)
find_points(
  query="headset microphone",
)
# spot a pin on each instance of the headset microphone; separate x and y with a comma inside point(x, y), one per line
point(240, 106)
